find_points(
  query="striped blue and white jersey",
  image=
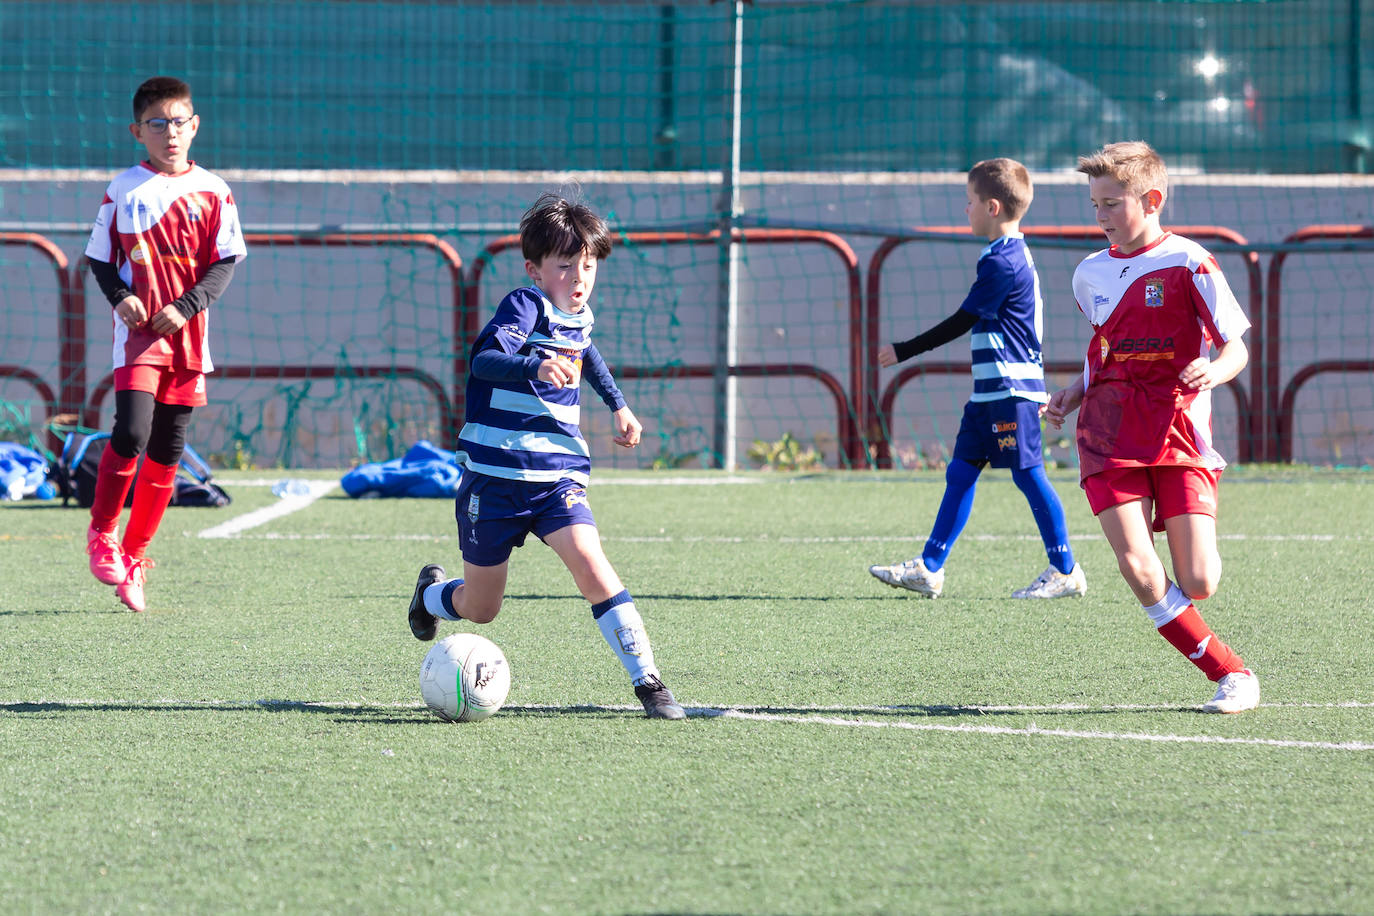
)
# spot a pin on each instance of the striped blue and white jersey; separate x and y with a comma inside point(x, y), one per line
point(1005, 296)
point(517, 426)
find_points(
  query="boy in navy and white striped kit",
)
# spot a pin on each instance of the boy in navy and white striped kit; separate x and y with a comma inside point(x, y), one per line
point(526, 465)
point(1001, 424)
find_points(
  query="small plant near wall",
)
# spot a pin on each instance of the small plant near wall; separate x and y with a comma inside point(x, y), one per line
point(785, 454)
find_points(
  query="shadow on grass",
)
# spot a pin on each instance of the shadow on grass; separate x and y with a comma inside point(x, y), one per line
point(416, 714)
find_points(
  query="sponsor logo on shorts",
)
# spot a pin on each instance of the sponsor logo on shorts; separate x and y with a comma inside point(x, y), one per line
point(1005, 442)
point(575, 497)
point(474, 507)
point(1004, 427)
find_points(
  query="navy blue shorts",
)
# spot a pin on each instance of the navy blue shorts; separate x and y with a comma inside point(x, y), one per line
point(494, 514)
point(1004, 433)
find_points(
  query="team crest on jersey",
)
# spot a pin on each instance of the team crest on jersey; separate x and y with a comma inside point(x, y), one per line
point(1154, 293)
point(139, 253)
point(193, 211)
point(1106, 350)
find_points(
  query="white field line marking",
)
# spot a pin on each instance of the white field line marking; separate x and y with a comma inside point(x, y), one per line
point(752, 714)
point(285, 506)
point(1034, 730)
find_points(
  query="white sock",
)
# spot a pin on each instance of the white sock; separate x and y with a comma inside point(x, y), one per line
point(1170, 606)
point(439, 599)
point(623, 629)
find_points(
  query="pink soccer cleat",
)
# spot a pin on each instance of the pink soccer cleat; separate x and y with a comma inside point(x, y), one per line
point(130, 591)
point(107, 559)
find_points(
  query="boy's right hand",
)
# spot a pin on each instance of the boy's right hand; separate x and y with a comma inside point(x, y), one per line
point(558, 371)
point(1062, 403)
point(131, 311)
point(887, 356)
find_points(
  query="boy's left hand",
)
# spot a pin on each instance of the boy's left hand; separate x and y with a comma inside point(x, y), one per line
point(627, 427)
point(1198, 375)
point(167, 321)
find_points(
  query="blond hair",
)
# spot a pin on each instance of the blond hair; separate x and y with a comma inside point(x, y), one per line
point(1133, 163)
point(1004, 180)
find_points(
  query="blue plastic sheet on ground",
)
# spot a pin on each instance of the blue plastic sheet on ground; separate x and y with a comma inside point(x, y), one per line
point(23, 472)
point(424, 471)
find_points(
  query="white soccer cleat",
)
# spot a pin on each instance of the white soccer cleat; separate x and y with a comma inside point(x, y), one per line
point(1054, 584)
point(1236, 692)
point(911, 575)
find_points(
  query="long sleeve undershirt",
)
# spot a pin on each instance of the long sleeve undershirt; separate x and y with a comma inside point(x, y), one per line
point(198, 298)
point(952, 328)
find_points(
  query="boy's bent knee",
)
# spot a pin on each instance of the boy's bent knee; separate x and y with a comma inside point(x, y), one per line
point(1198, 588)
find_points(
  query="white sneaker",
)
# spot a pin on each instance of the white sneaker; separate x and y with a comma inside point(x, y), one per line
point(1054, 584)
point(1236, 692)
point(911, 575)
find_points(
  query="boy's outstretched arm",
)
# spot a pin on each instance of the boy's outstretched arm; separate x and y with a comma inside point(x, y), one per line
point(952, 328)
point(628, 429)
point(1063, 402)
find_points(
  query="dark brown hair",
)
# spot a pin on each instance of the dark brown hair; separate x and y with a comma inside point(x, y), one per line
point(159, 89)
point(556, 225)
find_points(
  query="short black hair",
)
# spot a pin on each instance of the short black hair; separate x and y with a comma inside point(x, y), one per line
point(556, 225)
point(159, 89)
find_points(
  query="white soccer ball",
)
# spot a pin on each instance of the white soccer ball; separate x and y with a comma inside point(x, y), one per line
point(464, 678)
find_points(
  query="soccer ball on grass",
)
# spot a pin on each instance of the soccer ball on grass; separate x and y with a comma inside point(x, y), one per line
point(464, 678)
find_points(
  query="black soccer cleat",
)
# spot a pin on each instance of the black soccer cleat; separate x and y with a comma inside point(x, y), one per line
point(658, 700)
point(422, 622)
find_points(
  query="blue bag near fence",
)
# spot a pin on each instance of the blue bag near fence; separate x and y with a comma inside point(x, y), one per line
point(424, 471)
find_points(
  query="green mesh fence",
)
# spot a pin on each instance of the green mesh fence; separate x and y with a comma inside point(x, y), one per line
point(382, 153)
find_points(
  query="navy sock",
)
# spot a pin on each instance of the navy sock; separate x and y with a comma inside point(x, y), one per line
point(1049, 515)
point(960, 480)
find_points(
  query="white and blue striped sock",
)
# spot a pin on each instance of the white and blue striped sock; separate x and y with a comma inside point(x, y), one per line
point(439, 599)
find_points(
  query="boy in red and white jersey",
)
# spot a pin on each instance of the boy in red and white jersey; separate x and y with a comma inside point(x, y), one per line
point(1158, 304)
point(163, 250)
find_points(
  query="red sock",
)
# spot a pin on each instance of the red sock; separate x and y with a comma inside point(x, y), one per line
point(1189, 634)
point(112, 482)
point(152, 492)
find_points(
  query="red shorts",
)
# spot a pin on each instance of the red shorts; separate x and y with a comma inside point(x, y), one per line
point(1175, 490)
point(167, 384)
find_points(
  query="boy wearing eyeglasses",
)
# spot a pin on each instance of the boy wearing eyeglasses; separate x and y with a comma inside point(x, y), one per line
point(163, 250)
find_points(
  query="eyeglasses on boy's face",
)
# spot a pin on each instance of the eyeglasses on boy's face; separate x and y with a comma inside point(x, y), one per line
point(160, 125)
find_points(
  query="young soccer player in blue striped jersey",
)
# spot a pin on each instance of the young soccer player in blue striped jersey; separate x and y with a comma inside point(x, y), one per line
point(526, 465)
point(1001, 423)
